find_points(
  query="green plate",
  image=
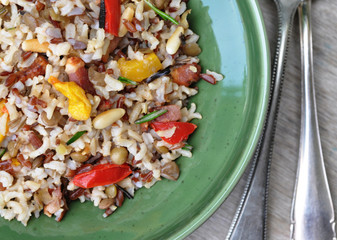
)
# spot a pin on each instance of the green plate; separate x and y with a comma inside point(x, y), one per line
point(234, 43)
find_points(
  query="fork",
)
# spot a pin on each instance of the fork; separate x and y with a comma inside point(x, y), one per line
point(312, 214)
point(249, 222)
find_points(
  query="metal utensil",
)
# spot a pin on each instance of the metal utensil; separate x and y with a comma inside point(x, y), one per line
point(312, 215)
point(250, 219)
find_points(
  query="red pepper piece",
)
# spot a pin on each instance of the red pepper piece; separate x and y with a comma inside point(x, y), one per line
point(112, 16)
point(103, 174)
point(182, 131)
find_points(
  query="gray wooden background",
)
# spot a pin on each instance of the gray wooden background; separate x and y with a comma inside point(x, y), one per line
point(283, 170)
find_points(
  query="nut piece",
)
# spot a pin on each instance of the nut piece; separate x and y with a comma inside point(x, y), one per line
point(183, 21)
point(174, 41)
point(75, 68)
point(107, 118)
point(127, 15)
point(119, 155)
point(33, 45)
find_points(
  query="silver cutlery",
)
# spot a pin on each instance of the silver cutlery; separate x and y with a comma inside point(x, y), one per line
point(312, 216)
point(250, 219)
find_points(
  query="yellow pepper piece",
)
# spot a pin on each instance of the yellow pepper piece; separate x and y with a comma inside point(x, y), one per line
point(79, 106)
point(137, 70)
point(3, 110)
point(15, 162)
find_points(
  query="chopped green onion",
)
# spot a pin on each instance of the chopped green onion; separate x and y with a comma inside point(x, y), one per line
point(3, 11)
point(151, 116)
point(162, 14)
point(187, 147)
point(2, 152)
point(8, 29)
point(75, 137)
point(126, 80)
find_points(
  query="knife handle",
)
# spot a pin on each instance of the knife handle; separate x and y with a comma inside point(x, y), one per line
point(312, 215)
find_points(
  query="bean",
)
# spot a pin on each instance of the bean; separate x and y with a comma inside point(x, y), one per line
point(170, 171)
point(53, 120)
point(105, 203)
point(191, 49)
point(119, 155)
point(78, 157)
point(107, 118)
point(111, 191)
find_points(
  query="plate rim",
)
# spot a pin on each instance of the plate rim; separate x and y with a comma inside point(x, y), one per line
point(219, 198)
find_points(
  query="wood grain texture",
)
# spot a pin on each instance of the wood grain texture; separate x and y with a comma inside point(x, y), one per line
point(284, 164)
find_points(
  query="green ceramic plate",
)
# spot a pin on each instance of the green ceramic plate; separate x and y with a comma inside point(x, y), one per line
point(234, 43)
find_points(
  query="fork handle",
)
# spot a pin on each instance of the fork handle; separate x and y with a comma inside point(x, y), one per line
point(249, 222)
point(312, 214)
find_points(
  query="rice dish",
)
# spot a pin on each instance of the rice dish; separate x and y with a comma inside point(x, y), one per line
point(92, 110)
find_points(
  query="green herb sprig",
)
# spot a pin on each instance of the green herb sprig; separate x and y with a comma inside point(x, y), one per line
point(2, 152)
point(187, 147)
point(161, 13)
point(75, 137)
point(151, 116)
point(126, 80)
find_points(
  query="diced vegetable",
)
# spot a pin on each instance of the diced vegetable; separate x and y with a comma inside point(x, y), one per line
point(138, 70)
point(151, 116)
point(79, 106)
point(187, 147)
point(127, 81)
point(101, 175)
point(160, 13)
point(112, 16)
point(173, 132)
point(3, 110)
point(75, 137)
point(2, 152)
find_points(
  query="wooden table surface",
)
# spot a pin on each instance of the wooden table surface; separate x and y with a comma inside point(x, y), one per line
point(284, 164)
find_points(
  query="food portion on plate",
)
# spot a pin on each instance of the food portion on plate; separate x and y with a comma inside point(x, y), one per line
point(93, 101)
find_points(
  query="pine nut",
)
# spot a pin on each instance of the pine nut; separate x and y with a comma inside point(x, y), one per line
point(183, 21)
point(107, 118)
point(119, 155)
point(127, 15)
point(34, 45)
point(174, 41)
point(111, 191)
